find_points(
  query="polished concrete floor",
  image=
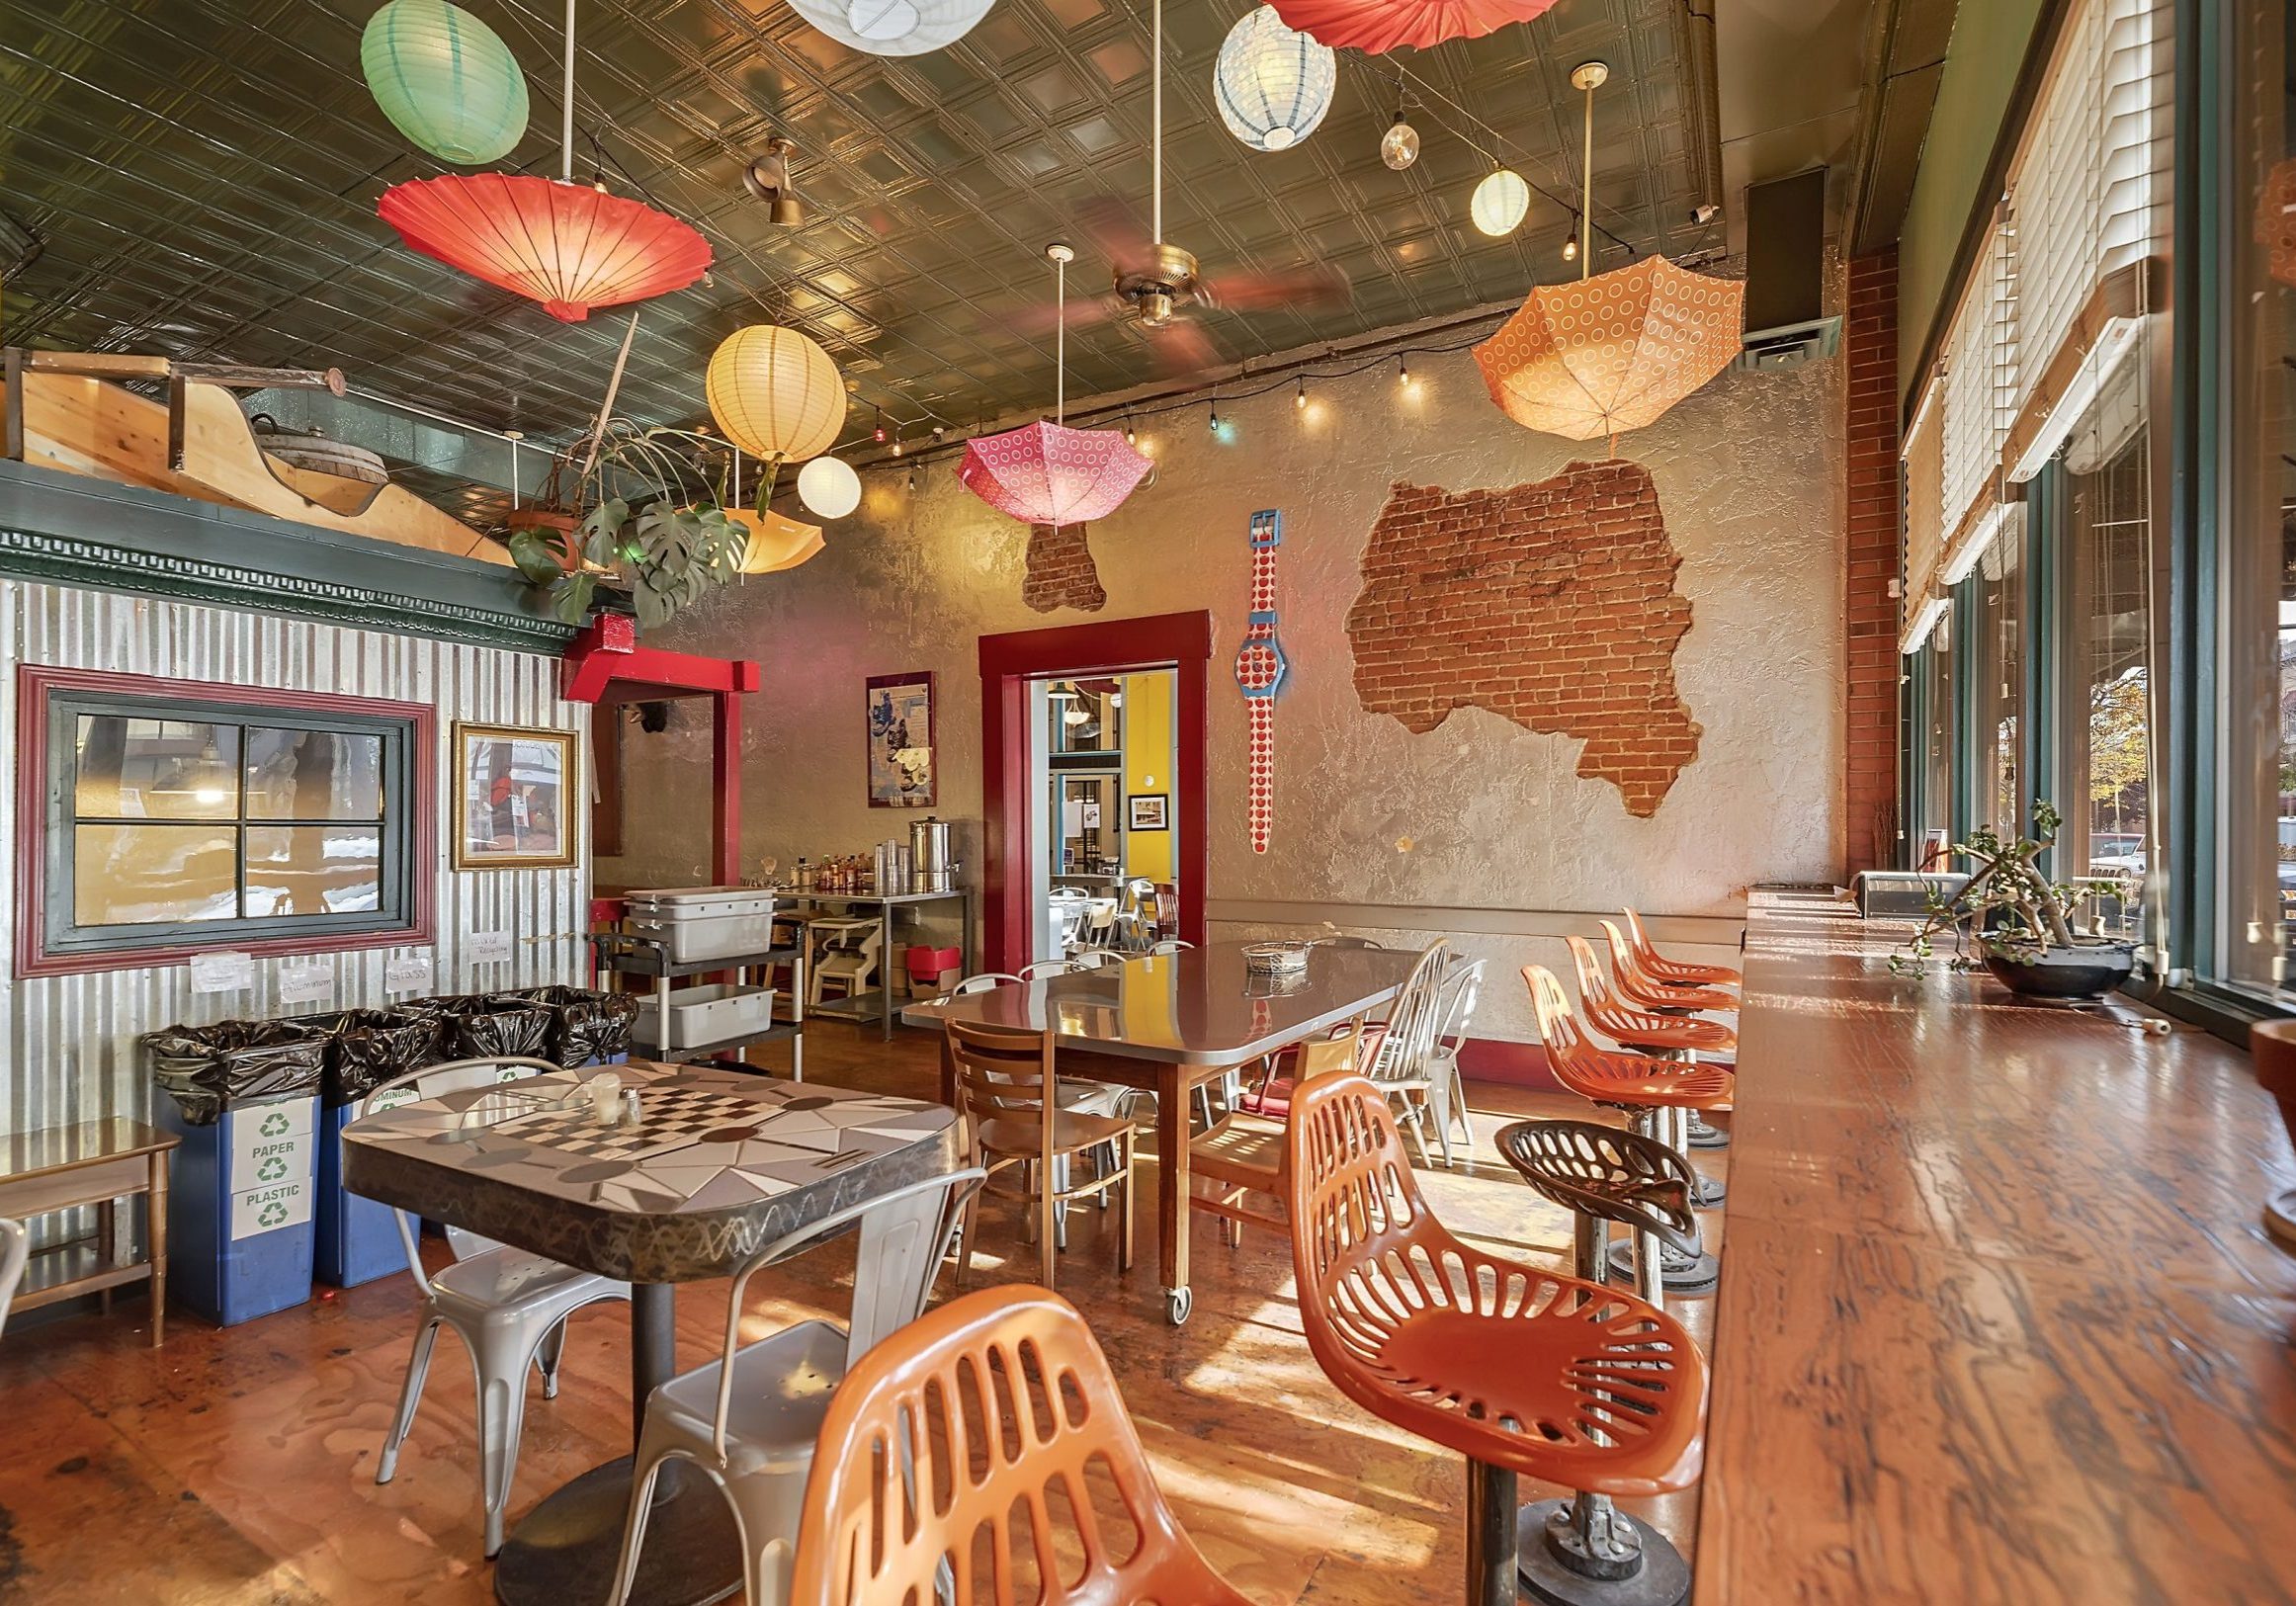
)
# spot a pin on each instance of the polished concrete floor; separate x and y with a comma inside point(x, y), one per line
point(239, 1466)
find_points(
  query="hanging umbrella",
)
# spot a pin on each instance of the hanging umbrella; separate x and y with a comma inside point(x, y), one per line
point(776, 542)
point(568, 246)
point(1615, 350)
point(1048, 474)
point(1377, 25)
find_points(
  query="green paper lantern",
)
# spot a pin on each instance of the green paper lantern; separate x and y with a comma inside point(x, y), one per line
point(444, 79)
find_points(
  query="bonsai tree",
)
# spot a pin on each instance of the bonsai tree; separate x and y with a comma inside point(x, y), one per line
point(2008, 909)
point(642, 513)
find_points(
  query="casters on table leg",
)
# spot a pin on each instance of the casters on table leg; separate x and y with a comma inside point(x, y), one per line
point(1586, 1552)
point(1178, 1301)
point(1704, 1136)
point(1682, 1274)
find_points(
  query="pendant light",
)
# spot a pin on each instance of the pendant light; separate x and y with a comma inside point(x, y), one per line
point(829, 487)
point(1272, 84)
point(444, 79)
point(570, 246)
point(1501, 202)
point(776, 394)
point(1048, 474)
point(892, 27)
point(1610, 351)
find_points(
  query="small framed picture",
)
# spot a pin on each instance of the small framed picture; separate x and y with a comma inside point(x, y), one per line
point(512, 792)
point(1148, 811)
point(899, 723)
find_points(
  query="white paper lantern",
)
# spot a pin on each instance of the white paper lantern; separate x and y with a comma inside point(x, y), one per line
point(892, 27)
point(829, 487)
point(1501, 202)
point(1273, 85)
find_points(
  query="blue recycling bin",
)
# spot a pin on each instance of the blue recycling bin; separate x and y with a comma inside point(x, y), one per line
point(240, 1232)
point(357, 1240)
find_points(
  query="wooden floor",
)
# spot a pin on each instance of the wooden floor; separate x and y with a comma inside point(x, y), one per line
point(238, 1465)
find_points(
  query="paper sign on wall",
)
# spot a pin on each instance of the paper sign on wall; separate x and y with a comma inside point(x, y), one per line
point(306, 984)
point(407, 974)
point(487, 947)
point(228, 970)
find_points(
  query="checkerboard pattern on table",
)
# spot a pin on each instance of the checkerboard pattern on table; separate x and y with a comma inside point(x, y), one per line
point(669, 1118)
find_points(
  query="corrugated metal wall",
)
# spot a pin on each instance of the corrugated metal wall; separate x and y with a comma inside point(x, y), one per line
point(70, 1042)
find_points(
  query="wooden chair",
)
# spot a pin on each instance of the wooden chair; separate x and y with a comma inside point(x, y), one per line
point(998, 1402)
point(1243, 1155)
point(1521, 1369)
point(1008, 1094)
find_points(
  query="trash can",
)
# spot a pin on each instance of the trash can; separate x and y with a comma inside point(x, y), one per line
point(483, 1025)
point(933, 971)
point(244, 1096)
point(357, 1240)
point(587, 1027)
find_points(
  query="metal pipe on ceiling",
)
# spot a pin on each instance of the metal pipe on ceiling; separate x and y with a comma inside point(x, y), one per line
point(1702, 117)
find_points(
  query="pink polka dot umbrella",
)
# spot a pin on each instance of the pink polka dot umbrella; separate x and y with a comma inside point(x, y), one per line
point(1046, 474)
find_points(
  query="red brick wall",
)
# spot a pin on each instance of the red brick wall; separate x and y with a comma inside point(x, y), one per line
point(1552, 605)
point(1870, 761)
point(1060, 572)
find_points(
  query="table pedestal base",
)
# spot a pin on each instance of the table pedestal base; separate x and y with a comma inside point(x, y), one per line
point(564, 1552)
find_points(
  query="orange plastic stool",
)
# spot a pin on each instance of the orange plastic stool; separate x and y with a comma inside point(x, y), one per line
point(1646, 991)
point(1523, 1371)
point(1656, 1093)
point(1675, 1037)
point(996, 1401)
point(1665, 972)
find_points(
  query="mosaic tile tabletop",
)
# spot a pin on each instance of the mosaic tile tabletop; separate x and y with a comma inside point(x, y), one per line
point(719, 1163)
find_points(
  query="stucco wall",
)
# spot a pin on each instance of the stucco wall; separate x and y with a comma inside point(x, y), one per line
point(1479, 813)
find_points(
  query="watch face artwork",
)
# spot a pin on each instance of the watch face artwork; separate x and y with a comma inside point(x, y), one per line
point(1260, 668)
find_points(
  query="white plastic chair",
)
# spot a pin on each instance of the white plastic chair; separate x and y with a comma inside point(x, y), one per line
point(14, 1249)
point(508, 1306)
point(1038, 969)
point(749, 1418)
point(1170, 945)
point(1135, 914)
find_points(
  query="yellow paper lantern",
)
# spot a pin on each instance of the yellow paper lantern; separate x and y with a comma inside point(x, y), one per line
point(776, 542)
point(775, 393)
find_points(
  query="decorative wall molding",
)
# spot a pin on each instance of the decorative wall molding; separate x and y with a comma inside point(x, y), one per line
point(1667, 930)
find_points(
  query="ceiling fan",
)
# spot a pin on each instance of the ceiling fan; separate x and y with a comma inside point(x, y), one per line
point(1158, 281)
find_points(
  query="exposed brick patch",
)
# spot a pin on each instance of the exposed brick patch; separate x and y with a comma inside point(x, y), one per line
point(1870, 760)
point(1060, 572)
point(1551, 604)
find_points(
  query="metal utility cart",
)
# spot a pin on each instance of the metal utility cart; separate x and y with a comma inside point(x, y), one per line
point(650, 957)
point(877, 1004)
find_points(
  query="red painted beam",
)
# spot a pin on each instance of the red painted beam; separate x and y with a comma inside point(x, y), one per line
point(605, 664)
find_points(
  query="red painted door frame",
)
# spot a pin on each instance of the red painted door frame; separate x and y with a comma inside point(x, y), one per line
point(1007, 664)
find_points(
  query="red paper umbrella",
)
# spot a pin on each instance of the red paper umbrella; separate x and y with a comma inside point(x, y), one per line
point(1376, 26)
point(1045, 474)
point(568, 246)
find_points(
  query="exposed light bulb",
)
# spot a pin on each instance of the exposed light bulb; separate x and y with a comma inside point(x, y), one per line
point(1399, 147)
point(1403, 371)
point(878, 434)
point(1214, 423)
point(1300, 396)
point(912, 479)
point(1131, 435)
point(1570, 245)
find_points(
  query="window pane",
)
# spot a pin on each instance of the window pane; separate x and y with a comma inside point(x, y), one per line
point(134, 875)
point(1935, 744)
point(2001, 705)
point(156, 769)
point(313, 869)
point(2108, 813)
point(313, 774)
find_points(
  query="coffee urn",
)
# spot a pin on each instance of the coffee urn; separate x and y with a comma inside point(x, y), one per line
point(931, 870)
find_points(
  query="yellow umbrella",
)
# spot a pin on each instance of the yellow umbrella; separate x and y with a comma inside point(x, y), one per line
point(776, 543)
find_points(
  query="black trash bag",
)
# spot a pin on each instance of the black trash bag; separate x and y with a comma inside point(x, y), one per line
point(207, 1069)
point(482, 1026)
point(369, 1046)
point(587, 1025)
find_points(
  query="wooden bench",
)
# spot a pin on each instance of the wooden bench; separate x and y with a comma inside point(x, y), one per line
point(99, 1163)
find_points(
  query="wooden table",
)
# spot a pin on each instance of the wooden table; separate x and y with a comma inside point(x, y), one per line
point(99, 1163)
point(1167, 1022)
point(723, 1164)
point(1997, 1321)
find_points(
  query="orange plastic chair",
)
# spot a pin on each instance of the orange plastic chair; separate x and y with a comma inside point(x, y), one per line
point(1523, 1371)
point(1641, 988)
point(1643, 1028)
point(998, 1402)
point(1676, 973)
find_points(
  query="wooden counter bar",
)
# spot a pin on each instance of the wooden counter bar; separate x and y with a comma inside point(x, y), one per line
point(1998, 1320)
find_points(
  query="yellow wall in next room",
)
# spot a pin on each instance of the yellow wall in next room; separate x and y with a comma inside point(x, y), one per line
point(1148, 769)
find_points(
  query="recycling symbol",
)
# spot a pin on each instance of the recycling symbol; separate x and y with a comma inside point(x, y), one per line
point(273, 1169)
point(274, 1124)
point(271, 1214)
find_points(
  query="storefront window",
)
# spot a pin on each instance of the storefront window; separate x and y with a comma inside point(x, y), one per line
point(1999, 694)
point(2109, 659)
point(1934, 711)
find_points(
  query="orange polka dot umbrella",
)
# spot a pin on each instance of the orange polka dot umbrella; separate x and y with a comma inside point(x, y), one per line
point(1600, 356)
point(1377, 25)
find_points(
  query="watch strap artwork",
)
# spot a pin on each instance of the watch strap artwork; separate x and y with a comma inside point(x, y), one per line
point(1260, 668)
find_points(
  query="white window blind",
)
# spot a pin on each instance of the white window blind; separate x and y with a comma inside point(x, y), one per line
point(1979, 403)
point(1922, 464)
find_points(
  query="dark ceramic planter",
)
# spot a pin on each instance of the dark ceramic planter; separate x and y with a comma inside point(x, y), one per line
point(2065, 973)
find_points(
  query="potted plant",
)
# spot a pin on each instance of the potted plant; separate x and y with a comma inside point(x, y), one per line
point(2022, 926)
point(642, 514)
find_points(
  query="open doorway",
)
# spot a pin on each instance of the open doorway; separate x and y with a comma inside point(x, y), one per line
point(1107, 867)
point(1094, 741)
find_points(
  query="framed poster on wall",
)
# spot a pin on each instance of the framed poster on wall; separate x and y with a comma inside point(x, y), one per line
point(899, 724)
point(512, 792)
point(1148, 812)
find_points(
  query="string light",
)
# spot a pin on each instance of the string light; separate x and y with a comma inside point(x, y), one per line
point(1570, 245)
point(1214, 422)
point(1131, 435)
point(1300, 396)
point(1403, 371)
point(878, 434)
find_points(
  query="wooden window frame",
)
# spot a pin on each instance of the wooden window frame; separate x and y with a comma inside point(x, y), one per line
point(37, 686)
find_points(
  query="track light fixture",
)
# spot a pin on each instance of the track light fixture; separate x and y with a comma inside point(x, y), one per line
point(768, 180)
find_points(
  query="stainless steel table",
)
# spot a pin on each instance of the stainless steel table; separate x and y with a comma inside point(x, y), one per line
point(1169, 1021)
point(721, 1165)
point(879, 1004)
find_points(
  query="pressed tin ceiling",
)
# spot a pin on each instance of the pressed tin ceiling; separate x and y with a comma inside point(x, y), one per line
point(204, 173)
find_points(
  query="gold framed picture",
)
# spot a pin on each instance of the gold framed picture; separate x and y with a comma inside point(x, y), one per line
point(513, 793)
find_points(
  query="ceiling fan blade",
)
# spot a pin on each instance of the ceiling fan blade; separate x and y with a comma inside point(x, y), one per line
point(1114, 230)
point(1181, 348)
point(1085, 311)
point(1294, 289)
